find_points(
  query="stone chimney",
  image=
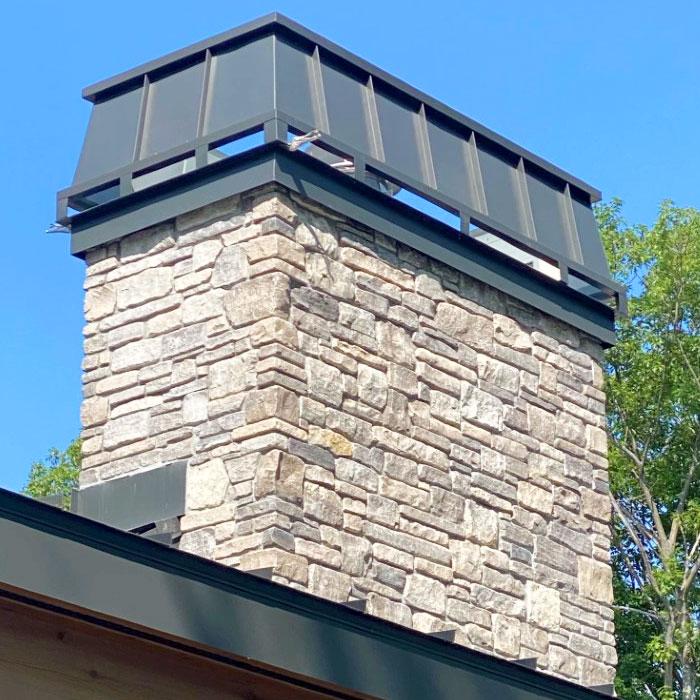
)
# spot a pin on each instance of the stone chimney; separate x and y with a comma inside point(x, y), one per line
point(372, 405)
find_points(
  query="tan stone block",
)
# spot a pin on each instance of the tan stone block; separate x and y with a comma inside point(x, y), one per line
point(137, 354)
point(273, 330)
point(595, 580)
point(335, 442)
point(372, 386)
point(94, 411)
point(199, 542)
point(322, 504)
point(268, 425)
point(425, 593)
point(314, 237)
point(284, 564)
point(471, 329)
point(146, 286)
point(542, 606)
point(99, 302)
point(595, 505)
point(562, 662)
point(358, 260)
point(230, 376)
point(481, 524)
point(272, 402)
point(253, 300)
point(206, 485)
point(231, 267)
point(329, 584)
point(508, 332)
point(498, 373)
point(194, 407)
point(330, 276)
point(535, 498)
point(481, 407)
point(126, 430)
point(273, 205)
point(205, 253)
point(279, 474)
point(506, 636)
point(324, 382)
point(387, 609)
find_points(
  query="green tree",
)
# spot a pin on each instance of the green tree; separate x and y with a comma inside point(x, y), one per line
point(57, 474)
point(653, 392)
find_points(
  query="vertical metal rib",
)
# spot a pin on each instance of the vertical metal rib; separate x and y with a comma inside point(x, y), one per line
point(475, 170)
point(572, 234)
point(143, 109)
point(203, 102)
point(526, 216)
point(426, 156)
point(375, 133)
point(201, 154)
point(319, 97)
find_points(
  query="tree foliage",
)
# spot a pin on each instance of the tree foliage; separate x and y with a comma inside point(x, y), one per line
point(57, 474)
point(653, 392)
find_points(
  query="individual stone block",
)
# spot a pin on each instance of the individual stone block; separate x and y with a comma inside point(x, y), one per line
point(482, 408)
point(206, 485)
point(140, 353)
point(324, 382)
point(252, 300)
point(126, 430)
point(231, 267)
point(279, 474)
point(194, 407)
point(94, 411)
point(542, 606)
point(329, 584)
point(228, 376)
point(145, 286)
point(594, 580)
point(372, 386)
point(471, 329)
point(322, 504)
point(272, 402)
point(508, 332)
point(338, 444)
point(425, 593)
point(99, 302)
point(506, 636)
point(535, 498)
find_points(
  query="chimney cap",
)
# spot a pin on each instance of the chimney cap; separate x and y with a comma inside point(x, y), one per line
point(177, 113)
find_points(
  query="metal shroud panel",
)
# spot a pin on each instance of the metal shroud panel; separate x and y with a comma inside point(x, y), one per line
point(274, 74)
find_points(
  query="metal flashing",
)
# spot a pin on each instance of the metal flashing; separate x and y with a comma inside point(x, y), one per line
point(309, 177)
point(173, 114)
point(137, 500)
point(114, 578)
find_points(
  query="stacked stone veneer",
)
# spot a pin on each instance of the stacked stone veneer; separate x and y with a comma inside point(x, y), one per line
point(367, 421)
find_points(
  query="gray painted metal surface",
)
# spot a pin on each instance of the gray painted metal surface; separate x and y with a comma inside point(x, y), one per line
point(130, 502)
point(178, 598)
point(176, 113)
point(307, 176)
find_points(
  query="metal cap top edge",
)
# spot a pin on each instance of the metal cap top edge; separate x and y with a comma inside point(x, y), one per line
point(269, 21)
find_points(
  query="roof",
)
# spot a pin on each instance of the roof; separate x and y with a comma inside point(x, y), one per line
point(176, 114)
point(112, 577)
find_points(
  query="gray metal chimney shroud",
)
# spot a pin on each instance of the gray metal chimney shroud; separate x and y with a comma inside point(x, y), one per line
point(173, 116)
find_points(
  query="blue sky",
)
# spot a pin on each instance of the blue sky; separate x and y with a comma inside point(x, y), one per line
point(607, 90)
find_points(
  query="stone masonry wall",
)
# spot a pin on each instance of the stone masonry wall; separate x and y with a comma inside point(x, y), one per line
point(370, 423)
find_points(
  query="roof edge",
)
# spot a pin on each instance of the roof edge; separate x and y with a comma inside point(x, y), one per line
point(147, 568)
